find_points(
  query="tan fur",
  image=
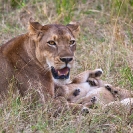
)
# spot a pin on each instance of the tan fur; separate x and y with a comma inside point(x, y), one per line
point(124, 106)
point(87, 91)
point(87, 94)
point(119, 93)
point(103, 96)
point(26, 60)
point(101, 93)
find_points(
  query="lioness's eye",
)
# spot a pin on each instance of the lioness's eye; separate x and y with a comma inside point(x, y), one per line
point(72, 42)
point(51, 43)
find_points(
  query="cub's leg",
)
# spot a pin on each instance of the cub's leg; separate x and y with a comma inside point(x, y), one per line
point(113, 91)
point(119, 93)
point(76, 92)
point(95, 82)
point(78, 107)
point(83, 77)
point(91, 102)
point(121, 107)
point(61, 105)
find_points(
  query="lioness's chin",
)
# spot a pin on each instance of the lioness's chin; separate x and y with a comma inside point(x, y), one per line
point(62, 81)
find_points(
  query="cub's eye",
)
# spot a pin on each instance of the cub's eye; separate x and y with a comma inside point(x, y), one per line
point(52, 43)
point(72, 42)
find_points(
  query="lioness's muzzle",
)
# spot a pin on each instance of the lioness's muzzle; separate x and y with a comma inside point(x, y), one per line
point(60, 73)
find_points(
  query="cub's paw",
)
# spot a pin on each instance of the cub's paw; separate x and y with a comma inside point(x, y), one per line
point(85, 110)
point(95, 73)
point(92, 82)
point(93, 100)
point(108, 87)
point(112, 89)
point(98, 72)
point(76, 92)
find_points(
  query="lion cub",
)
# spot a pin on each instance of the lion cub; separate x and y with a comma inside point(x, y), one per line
point(105, 95)
point(82, 81)
point(87, 89)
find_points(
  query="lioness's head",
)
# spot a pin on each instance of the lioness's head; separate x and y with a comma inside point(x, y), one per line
point(55, 46)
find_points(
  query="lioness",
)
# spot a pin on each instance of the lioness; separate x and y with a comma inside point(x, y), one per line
point(38, 59)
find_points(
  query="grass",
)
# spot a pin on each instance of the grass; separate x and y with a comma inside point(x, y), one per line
point(105, 42)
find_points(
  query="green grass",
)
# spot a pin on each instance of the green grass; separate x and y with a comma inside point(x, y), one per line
point(105, 42)
point(65, 8)
point(18, 3)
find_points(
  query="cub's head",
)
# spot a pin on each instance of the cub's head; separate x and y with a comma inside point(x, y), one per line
point(55, 45)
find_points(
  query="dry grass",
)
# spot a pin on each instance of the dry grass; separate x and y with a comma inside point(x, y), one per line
point(105, 42)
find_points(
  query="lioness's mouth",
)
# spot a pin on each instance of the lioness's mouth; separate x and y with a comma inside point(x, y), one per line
point(60, 73)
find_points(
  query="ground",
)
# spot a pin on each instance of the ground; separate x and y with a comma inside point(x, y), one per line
point(105, 42)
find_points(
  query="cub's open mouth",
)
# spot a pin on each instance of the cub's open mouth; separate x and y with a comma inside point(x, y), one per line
point(60, 73)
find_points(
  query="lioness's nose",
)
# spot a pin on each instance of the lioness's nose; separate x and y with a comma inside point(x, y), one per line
point(66, 60)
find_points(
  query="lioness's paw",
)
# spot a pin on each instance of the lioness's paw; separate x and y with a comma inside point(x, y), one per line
point(98, 72)
point(76, 92)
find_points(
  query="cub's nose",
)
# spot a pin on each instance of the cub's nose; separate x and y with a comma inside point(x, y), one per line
point(66, 60)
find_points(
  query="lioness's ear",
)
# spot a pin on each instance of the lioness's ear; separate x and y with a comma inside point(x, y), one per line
point(34, 27)
point(74, 27)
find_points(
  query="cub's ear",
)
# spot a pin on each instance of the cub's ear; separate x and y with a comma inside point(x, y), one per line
point(74, 27)
point(34, 27)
